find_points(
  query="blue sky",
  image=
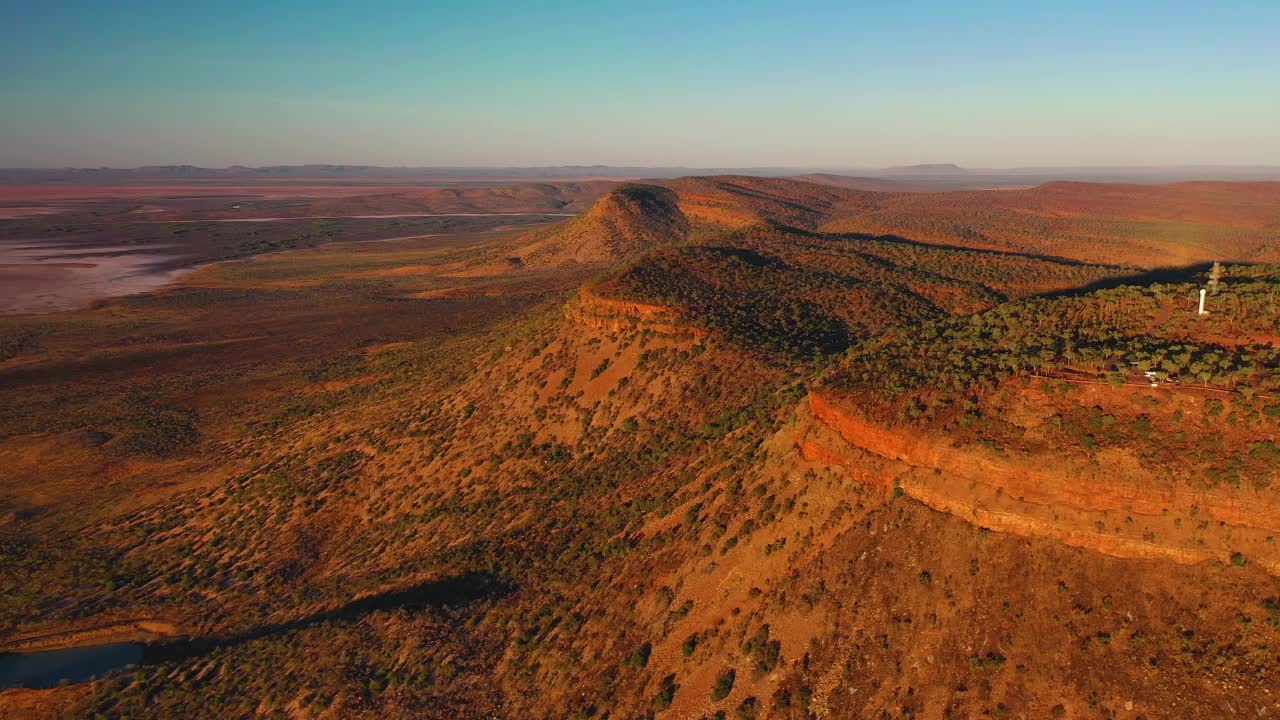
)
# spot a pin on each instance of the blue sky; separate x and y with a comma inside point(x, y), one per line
point(984, 84)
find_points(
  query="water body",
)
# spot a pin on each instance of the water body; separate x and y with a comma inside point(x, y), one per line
point(49, 668)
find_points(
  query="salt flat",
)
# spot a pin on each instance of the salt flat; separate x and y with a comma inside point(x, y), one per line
point(43, 276)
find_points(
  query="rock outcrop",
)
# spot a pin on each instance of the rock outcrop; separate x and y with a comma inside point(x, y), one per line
point(1108, 505)
point(605, 313)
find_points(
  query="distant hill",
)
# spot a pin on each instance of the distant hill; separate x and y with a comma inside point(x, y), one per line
point(627, 220)
point(741, 200)
point(637, 216)
point(864, 183)
point(927, 169)
point(1143, 226)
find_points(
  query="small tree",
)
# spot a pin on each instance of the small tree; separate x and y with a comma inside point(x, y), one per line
point(640, 657)
point(724, 684)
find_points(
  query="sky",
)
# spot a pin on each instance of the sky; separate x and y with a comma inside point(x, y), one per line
point(695, 84)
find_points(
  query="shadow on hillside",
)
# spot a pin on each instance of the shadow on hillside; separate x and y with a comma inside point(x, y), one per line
point(1180, 274)
point(1169, 275)
point(746, 255)
point(450, 593)
point(898, 239)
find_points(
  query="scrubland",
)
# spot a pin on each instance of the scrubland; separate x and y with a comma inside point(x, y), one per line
point(724, 447)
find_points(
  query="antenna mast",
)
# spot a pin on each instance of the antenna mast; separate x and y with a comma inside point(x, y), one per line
point(1214, 276)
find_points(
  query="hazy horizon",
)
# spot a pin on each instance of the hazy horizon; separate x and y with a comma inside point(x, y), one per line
point(677, 166)
point(992, 85)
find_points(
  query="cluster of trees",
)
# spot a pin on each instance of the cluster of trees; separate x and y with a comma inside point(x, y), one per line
point(1111, 335)
point(790, 294)
point(754, 299)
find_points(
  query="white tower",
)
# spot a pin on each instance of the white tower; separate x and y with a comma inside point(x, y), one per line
point(1202, 310)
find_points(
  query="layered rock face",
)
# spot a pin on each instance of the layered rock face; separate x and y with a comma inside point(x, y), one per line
point(604, 313)
point(1110, 505)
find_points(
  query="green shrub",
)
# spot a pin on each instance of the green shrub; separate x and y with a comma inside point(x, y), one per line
point(764, 652)
point(666, 693)
point(689, 645)
point(640, 657)
point(723, 685)
point(989, 660)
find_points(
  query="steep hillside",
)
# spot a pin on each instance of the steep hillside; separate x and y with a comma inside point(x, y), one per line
point(493, 490)
point(623, 223)
point(1070, 418)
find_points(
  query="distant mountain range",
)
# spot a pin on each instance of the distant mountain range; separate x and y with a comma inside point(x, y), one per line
point(927, 169)
point(936, 175)
point(362, 172)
